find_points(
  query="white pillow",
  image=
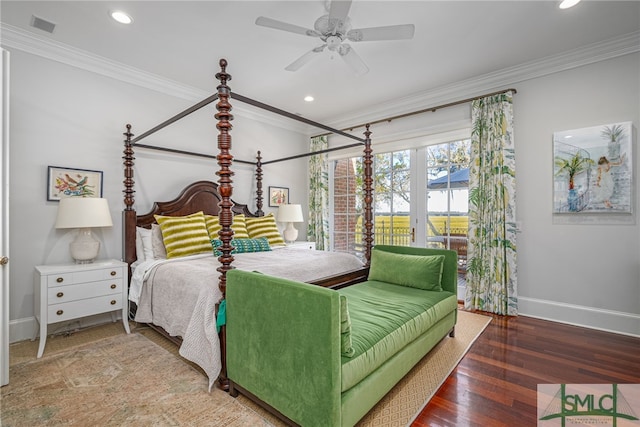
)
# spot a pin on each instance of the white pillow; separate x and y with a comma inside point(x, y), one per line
point(157, 244)
point(144, 247)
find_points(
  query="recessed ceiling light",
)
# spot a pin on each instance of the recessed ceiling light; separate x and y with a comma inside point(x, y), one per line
point(568, 136)
point(566, 4)
point(308, 98)
point(121, 17)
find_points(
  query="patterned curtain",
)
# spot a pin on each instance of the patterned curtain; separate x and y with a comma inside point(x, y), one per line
point(491, 263)
point(319, 195)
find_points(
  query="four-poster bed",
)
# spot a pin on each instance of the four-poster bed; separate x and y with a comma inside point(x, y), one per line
point(215, 200)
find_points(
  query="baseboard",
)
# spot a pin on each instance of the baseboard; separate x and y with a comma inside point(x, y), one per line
point(589, 317)
point(25, 329)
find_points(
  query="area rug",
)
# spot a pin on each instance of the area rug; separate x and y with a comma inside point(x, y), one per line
point(104, 377)
point(407, 399)
point(122, 380)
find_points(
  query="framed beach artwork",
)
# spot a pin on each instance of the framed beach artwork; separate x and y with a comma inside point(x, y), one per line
point(278, 196)
point(68, 182)
point(593, 169)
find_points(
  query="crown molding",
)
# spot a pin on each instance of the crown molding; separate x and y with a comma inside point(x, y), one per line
point(16, 38)
point(502, 79)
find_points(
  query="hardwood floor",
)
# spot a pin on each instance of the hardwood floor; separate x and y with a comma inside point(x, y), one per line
point(495, 384)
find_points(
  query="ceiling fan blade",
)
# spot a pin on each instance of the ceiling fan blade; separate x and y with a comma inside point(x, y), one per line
point(279, 25)
point(353, 59)
point(298, 63)
point(338, 12)
point(392, 32)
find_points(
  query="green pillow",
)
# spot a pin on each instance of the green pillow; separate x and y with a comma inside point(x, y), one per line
point(184, 235)
point(243, 245)
point(264, 226)
point(346, 344)
point(415, 271)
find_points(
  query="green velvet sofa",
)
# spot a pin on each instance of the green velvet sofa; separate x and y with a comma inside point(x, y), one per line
point(321, 357)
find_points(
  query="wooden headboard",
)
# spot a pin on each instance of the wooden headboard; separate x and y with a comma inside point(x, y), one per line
point(199, 196)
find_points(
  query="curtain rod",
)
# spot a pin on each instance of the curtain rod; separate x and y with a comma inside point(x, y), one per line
point(424, 110)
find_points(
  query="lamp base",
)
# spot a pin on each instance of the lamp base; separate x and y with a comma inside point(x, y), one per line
point(84, 249)
point(290, 233)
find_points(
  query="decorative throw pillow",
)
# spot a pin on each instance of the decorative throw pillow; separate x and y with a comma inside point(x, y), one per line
point(346, 344)
point(144, 246)
point(415, 271)
point(264, 226)
point(243, 245)
point(184, 235)
point(238, 226)
point(157, 245)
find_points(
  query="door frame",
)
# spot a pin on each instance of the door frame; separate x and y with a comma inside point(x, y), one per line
point(4, 226)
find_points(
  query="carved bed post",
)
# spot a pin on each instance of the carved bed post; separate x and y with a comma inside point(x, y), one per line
point(225, 188)
point(129, 213)
point(368, 196)
point(259, 211)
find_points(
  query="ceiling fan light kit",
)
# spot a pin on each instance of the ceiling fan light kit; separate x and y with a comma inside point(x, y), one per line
point(333, 29)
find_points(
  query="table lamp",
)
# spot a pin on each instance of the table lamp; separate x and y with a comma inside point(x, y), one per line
point(83, 213)
point(290, 214)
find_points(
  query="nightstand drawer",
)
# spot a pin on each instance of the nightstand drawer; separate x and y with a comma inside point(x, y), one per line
point(85, 307)
point(60, 279)
point(62, 294)
point(65, 279)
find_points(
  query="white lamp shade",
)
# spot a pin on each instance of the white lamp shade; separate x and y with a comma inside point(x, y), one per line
point(290, 213)
point(83, 212)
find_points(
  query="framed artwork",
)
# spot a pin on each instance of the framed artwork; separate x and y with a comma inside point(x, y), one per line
point(278, 196)
point(593, 169)
point(69, 182)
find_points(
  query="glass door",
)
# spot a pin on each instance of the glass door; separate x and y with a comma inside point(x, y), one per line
point(447, 191)
point(392, 199)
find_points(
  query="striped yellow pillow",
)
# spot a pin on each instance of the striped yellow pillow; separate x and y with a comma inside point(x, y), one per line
point(239, 226)
point(264, 226)
point(184, 235)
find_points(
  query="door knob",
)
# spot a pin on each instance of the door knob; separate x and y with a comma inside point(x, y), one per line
point(4, 260)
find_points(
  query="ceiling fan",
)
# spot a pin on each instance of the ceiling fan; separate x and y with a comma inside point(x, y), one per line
point(334, 29)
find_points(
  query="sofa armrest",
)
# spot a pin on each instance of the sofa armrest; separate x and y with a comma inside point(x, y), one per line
point(283, 345)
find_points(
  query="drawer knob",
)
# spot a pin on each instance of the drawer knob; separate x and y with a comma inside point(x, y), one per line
point(113, 302)
point(114, 286)
point(59, 312)
point(60, 294)
point(113, 273)
point(59, 280)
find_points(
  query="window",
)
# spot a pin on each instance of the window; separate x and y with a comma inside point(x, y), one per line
point(420, 199)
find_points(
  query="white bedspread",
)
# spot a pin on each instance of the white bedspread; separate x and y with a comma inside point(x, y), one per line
point(180, 294)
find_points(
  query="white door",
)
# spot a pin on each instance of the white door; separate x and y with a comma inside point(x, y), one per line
point(4, 226)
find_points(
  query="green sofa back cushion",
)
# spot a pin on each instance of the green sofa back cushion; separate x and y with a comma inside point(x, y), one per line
point(415, 271)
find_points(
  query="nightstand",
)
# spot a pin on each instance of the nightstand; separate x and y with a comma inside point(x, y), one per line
point(70, 291)
point(302, 245)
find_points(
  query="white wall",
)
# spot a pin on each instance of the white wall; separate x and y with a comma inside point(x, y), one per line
point(582, 273)
point(582, 270)
point(585, 271)
point(65, 116)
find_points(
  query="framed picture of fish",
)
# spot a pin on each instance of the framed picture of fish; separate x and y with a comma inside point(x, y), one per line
point(69, 182)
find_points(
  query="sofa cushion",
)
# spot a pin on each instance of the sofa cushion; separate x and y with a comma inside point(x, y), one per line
point(416, 271)
point(384, 319)
point(346, 345)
